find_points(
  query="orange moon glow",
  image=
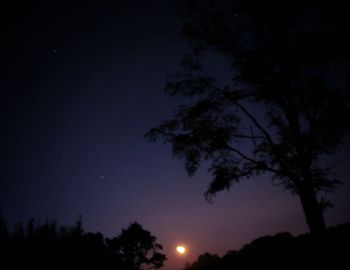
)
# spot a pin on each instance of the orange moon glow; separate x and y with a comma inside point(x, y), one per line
point(181, 249)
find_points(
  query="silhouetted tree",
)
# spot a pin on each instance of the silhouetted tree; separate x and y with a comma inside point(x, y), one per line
point(137, 247)
point(3, 228)
point(4, 237)
point(280, 114)
point(77, 229)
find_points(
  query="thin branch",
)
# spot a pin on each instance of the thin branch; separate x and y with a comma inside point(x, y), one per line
point(246, 112)
point(256, 123)
point(251, 137)
point(254, 141)
point(252, 160)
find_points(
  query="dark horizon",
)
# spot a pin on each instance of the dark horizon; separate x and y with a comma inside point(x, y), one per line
point(82, 84)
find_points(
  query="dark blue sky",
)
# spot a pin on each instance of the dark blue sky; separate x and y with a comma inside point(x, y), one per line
point(81, 85)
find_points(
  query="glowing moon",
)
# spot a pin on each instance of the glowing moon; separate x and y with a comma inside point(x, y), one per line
point(181, 249)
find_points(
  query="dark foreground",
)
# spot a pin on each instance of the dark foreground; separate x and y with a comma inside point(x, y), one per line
point(45, 245)
point(283, 251)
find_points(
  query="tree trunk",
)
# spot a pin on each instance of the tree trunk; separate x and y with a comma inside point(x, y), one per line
point(312, 209)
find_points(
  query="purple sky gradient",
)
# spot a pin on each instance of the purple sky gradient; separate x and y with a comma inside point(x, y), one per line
point(82, 85)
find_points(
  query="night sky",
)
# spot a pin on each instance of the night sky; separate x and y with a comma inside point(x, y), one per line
point(81, 83)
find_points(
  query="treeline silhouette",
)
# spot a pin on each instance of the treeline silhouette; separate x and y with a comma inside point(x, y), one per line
point(283, 251)
point(46, 245)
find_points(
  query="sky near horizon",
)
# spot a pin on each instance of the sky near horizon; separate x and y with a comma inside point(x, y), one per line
point(82, 83)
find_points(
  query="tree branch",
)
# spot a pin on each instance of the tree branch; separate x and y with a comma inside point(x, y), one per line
point(252, 160)
point(250, 137)
point(256, 123)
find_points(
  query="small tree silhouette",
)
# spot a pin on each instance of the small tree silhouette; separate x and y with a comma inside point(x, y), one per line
point(137, 248)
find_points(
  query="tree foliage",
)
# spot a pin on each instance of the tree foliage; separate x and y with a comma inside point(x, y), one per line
point(280, 113)
point(137, 248)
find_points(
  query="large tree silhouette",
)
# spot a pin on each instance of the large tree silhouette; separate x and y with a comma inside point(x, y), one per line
point(281, 114)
